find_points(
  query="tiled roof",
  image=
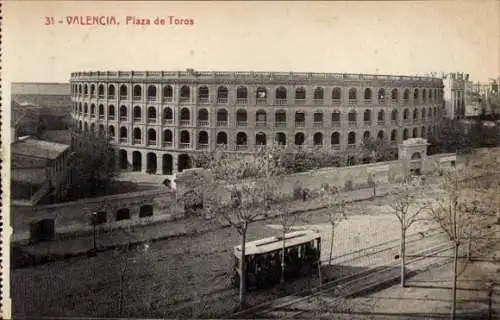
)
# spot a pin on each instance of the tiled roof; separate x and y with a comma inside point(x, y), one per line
point(23, 162)
point(36, 176)
point(37, 148)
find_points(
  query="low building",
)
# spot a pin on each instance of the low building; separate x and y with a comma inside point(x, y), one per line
point(39, 171)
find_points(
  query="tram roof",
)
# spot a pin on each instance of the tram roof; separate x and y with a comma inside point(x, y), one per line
point(275, 243)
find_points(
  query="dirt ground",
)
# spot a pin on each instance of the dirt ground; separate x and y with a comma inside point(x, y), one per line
point(428, 295)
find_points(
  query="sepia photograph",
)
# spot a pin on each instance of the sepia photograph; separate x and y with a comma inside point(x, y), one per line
point(250, 159)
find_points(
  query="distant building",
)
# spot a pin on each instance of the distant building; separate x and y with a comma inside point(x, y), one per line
point(456, 85)
point(39, 171)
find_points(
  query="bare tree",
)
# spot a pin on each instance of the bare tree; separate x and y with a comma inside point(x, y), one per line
point(336, 208)
point(407, 209)
point(455, 210)
point(250, 199)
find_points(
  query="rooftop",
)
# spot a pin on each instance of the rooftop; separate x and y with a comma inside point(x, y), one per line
point(31, 147)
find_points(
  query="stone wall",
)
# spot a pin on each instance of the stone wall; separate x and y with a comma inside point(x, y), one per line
point(74, 217)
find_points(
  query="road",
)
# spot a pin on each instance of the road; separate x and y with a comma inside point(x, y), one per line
point(159, 279)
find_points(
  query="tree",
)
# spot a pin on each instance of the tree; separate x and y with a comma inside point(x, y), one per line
point(407, 210)
point(455, 210)
point(377, 149)
point(336, 208)
point(250, 199)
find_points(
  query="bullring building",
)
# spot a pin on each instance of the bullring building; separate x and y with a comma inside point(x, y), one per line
point(157, 119)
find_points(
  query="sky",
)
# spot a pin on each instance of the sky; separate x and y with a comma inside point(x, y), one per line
point(352, 37)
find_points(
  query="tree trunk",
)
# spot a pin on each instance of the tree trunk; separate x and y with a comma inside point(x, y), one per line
point(243, 268)
point(403, 257)
point(455, 276)
point(282, 280)
point(331, 244)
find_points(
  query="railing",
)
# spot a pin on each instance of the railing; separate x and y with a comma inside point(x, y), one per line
point(221, 123)
point(241, 123)
point(111, 117)
point(381, 101)
point(353, 101)
point(122, 139)
point(335, 146)
point(368, 101)
point(352, 123)
point(202, 146)
point(318, 101)
point(280, 101)
point(138, 119)
point(241, 147)
point(261, 100)
point(151, 98)
point(168, 121)
point(351, 146)
point(300, 101)
point(406, 101)
point(93, 115)
point(167, 144)
point(85, 114)
point(184, 99)
point(260, 124)
point(137, 98)
point(168, 99)
point(101, 96)
point(222, 100)
point(335, 123)
point(101, 117)
point(137, 141)
point(222, 145)
point(123, 97)
point(184, 145)
point(151, 142)
point(111, 97)
point(406, 120)
point(300, 124)
point(203, 99)
point(394, 122)
point(280, 124)
point(335, 101)
point(202, 123)
point(394, 100)
point(381, 122)
point(241, 100)
point(367, 122)
point(112, 138)
point(185, 123)
point(317, 124)
point(124, 118)
point(151, 120)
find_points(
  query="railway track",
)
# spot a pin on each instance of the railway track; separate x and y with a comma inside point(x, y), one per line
point(346, 286)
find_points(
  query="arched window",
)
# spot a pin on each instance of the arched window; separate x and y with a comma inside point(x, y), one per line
point(111, 132)
point(415, 114)
point(92, 90)
point(353, 95)
point(381, 116)
point(423, 114)
point(260, 118)
point(85, 90)
point(281, 96)
point(351, 138)
point(260, 139)
point(167, 138)
point(261, 95)
point(281, 138)
point(123, 113)
point(300, 119)
point(85, 109)
point(203, 94)
point(318, 139)
point(299, 139)
point(100, 91)
point(381, 96)
point(394, 116)
point(101, 111)
point(394, 95)
point(168, 116)
point(406, 95)
point(185, 94)
point(318, 119)
point(123, 134)
point(168, 94)
point(185, 139)
point(151, 137)
point(336, 95)
point(405, 133)
point(241, 118)
point(137, 113)
point(394, 135)
point(241, 95)
point(111, 92)
point(152, 115)
point(335, 139)
point(111, 112)
point(202, 140)
point(366, 135)
point(351, 117)
point(380, 135)
point(185, 116)
point(336, 118)
point(416, 99)
point(221, 138)
point(300, 95)
point(424, 96)
point(137, 92)
point(280, 119)
point(368, 95)
point(367, 116)
point(92, 110)
point(221, 117)
point(406, 114)
point(318, 95)
point(415, 133)
point(123, 92)
point(137, 136)
point(152, 93)
point(222, 94)
point(203, 117)
point(241, 140)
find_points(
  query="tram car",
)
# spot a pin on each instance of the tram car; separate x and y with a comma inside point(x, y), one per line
point(263, 259)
